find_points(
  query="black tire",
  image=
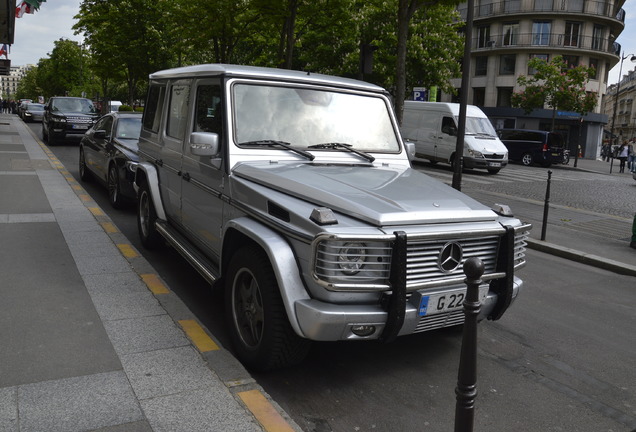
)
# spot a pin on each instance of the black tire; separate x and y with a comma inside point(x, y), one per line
point(84, 173)
point(114, 191)
point(526, 159)
point(49, 137)
point(146, 218)
point(259, 327)
point(45, 136)
point(494, 170)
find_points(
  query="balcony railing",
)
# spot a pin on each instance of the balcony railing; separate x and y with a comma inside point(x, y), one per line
point(547, 40)
point(596, 8)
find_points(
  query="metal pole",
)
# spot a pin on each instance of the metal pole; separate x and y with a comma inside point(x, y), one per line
point(466, 390)
point(463, 97)
point(546, 206)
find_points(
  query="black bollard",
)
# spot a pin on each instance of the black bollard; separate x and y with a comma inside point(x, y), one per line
point(466, 391)
point(546, 206)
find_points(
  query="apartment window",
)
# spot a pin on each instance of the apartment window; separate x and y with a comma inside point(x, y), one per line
point(541, 32)
point(510, 33)
point(507, 64)
point(481, 65)
point(479, 96)
point(575, 5)
point(572, 31)
point(532, 71)
point(597, 37)
point(483, 36)
point(485, 8)
point(512, 6)
point(504, 94)
point(594, 65)
point(571, 61)
point(542, 5)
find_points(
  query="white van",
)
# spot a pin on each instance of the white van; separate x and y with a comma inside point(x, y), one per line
point(113, 106)
point(432, 127)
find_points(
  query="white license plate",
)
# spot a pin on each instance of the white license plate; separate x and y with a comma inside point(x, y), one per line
point(446, 301)
point(80, 126)
point(494, 164)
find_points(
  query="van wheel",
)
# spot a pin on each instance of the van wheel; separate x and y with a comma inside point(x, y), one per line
point(146, 218)
point(526, 159)
point(259, 327)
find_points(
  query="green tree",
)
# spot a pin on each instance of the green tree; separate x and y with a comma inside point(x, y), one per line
point(61, 73)
point(28, 87)
point(556, 85)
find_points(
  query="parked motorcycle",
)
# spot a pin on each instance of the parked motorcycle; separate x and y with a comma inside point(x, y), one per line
point(566, 157)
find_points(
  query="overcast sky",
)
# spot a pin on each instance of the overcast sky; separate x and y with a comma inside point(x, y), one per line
point(35, 33)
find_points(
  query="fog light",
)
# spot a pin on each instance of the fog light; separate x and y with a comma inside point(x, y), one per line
point(363, 330)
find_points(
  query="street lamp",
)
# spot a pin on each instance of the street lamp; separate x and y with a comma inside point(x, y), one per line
point(618, 90)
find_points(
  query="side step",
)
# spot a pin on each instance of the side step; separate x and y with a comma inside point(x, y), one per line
point(189, 252)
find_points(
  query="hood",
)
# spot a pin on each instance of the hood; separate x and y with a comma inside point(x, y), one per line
point(486, 145)
point(379, 195)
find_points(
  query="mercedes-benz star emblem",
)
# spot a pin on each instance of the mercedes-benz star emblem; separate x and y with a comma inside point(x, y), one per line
point(450, 257)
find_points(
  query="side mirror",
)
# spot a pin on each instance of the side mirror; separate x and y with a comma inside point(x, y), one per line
point(204, 144)
point(410, 149)
point(101, 134)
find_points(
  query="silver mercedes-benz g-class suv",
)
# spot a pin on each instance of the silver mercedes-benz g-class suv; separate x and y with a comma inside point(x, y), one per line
point(293, 191)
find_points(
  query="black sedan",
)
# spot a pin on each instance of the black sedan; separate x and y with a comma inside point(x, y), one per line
point(109, 153)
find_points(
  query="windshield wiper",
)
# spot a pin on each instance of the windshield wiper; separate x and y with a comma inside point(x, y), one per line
point(283, 144)
point(347, 147)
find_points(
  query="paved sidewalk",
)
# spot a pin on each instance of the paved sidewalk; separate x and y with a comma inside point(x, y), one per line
point(91, 338)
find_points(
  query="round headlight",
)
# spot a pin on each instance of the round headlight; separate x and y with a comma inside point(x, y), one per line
point(352, 257)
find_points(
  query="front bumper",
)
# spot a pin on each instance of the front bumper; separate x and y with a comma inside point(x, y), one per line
point(322, 321)
point(484, 163)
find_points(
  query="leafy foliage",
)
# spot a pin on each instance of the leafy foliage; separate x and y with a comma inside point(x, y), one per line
point(557, 86)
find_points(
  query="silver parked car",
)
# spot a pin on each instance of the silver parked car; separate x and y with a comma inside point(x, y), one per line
point(293, 193)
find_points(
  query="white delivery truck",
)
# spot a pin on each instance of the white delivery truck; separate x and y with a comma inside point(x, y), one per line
point(432, 127)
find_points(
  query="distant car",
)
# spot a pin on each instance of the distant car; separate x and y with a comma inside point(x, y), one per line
point(31, 112)
point(66, 117)
point(109, 153)
point(533, 146)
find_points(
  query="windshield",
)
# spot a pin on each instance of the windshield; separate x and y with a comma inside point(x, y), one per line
point(304, 118)
point(129, 128)
point(84, 106)
point(479, 126)
point(35, 107)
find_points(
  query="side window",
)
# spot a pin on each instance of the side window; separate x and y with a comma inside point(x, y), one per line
point(448, 126)
point(108, 125)
point(178, 111)
point(208, 111)
point(153, 108)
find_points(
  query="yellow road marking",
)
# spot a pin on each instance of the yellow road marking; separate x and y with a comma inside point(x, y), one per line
point(109, 227)
point(154, 284)
point(96, 211)
point(127, 250)
point(85, 197)
point(198, 336)
point(264, 411)
point(77, 187)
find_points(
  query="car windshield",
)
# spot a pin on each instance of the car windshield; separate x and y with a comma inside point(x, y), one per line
point(35, 107)
point(83, 106)
point(129, 128)
point(479, 126)
point(305, 118)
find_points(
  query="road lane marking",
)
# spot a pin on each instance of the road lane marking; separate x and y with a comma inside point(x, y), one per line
point(96, 211)
point(154, 284)
point(109, 227)
point(198, 336)
point(127, 250)
point(264, 411)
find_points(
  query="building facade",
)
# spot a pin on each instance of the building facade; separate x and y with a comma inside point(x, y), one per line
point(9, 83)
point(507, 34)
point(619, 103)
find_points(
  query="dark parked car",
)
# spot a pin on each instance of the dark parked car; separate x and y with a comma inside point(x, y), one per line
point(109, 153)
point(31, 112)
point(67, 117)
point(532, 146)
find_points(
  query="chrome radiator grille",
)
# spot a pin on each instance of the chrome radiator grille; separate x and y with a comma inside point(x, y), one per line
point(423, 259)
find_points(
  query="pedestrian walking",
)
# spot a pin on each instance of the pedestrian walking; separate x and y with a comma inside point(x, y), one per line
point(605, 151)
point(631, 158)
point(623, 153)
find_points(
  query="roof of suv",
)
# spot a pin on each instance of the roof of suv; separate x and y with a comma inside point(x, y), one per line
point(263, 73)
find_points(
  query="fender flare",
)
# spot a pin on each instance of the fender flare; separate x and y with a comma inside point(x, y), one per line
point(152, 178)
point(283, 261)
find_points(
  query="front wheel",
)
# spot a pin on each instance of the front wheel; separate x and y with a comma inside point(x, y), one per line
point(146, 218)
point(261, 334)
point(84, 174)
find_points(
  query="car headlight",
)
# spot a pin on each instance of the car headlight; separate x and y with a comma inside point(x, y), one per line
point(352, 261)
point(475, 153)
point(58, 119)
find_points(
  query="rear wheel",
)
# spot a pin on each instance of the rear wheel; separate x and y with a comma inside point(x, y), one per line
point(259, 327)
point(146, 218)
point(526, 159)
point(114, 192)
point(84, 174)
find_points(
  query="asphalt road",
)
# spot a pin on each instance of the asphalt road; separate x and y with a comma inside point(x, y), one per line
point(560, 360)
